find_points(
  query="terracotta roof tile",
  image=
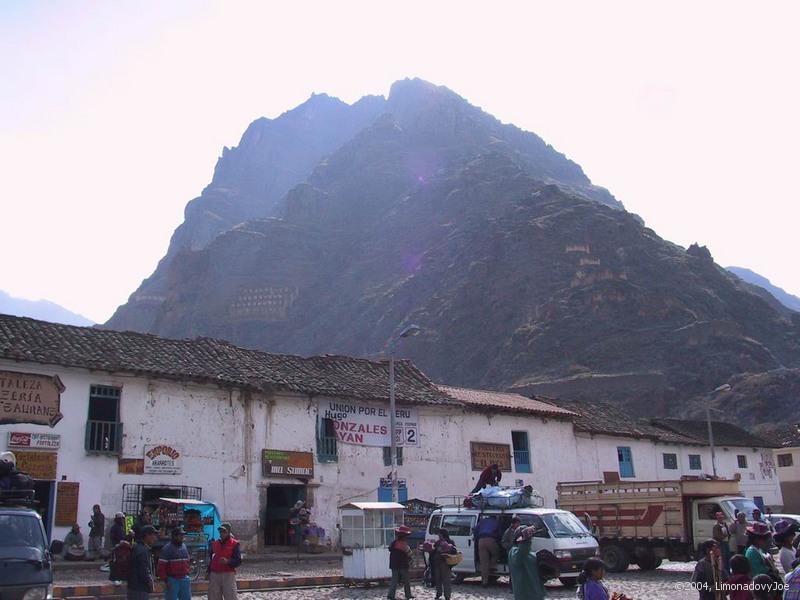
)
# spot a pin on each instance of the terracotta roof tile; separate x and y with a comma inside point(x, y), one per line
point(212, 361)
point(505, 401)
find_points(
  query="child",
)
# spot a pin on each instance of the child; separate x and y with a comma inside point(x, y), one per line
point(764, 588)
point(709, 573)
point(589, 581)
point(400, 562)
point(740, 578)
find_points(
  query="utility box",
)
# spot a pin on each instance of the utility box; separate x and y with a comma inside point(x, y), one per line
point(367, 530)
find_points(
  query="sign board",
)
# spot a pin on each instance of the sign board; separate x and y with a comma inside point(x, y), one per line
point(162, 459)
point(39, 465)
point(30, 398)
point(284, 463)
point(365, 425)
point(67, 503)
point(34, 441)
point(130, 466)
point(487, 453)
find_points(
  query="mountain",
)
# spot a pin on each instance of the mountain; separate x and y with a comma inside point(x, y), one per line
point(521, 272)
point(40, 309)
point(788, 300)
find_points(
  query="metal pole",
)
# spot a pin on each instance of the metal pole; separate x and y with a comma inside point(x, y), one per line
point(392, 416)
point(711, 442)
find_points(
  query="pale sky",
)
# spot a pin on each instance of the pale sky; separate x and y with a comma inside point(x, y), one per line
point(113, 114)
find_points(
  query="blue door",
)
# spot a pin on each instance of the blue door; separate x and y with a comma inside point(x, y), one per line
point(625, 457)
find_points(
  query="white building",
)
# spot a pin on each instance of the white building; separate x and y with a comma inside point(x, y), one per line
point(787, 462)
point(146, 417)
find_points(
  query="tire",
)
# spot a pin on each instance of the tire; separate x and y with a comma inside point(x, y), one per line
point(568, 582)
point(615, 558)
point(647, 560)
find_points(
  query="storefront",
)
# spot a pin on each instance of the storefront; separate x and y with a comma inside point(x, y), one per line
point(286, 475)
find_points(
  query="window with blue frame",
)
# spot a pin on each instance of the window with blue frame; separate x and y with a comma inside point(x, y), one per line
point(522, 453)
point(695, 463)
point(625, 458)
point(327, 451)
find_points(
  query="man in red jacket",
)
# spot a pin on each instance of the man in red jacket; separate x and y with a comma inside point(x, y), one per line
point(225, 557)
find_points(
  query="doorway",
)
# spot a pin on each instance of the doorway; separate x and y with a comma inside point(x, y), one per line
point(280, 500)
point(44, 493)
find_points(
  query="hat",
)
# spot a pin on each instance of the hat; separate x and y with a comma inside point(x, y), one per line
point(515, 518)
point(298, 504)
point(8, 457)
point(402, 530)
point(119, 515)
point(758, 530)
point(178, 530)
point(785, 527)
point(226, 526)
point(147, 529)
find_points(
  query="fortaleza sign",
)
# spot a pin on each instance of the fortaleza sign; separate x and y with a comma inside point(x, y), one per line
point(162, 459)
point(30, 398)
point(284, 463)
point(365, 425)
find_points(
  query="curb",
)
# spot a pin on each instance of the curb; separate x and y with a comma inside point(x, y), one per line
point(108, 591)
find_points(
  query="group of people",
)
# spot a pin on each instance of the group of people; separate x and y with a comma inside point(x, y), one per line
point(751, 573)
point(75, 548)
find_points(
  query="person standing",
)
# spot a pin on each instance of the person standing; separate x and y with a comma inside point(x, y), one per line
point(757, 553)
point(400, 563)
point(173, 568)
point(510, 534)
point(489, 477)
point(709, 573)
point(784, 536)
point(226, 556)
point(739, 532)
point(145, 519)
point(524, 567)
point(740, 581)
point(117, 531)
point(590, 581)
point(486, 533)
point(97, 531)
point(792, 590)
point(441, 570)
point(722, 535)
point(141, 579)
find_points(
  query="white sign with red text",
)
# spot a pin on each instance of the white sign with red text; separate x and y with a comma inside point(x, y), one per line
point(365, 425)
point(40, 441)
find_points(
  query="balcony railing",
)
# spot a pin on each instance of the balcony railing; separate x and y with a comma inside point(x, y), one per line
point(103, 437)
point(326, 450)
point(522, 461)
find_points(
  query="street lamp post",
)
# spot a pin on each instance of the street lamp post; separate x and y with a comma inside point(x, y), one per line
point(409, 331)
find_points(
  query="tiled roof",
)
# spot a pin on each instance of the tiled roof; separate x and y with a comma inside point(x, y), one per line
point(503, 401)
point(725, 434)
point(785, 437)
point(211, 361)
point(605, 419)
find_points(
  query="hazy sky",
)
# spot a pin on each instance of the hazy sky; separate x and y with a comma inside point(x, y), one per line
point(112, 114)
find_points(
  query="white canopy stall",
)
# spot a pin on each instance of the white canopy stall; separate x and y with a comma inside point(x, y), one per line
point(367, 530)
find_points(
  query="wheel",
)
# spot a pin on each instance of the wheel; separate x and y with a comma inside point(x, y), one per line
point(568, 582)
point(615, 558)
point(646, 559)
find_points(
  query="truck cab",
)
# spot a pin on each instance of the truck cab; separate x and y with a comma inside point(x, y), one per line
point(704, 511)
point(562, 533)
point(26, 571)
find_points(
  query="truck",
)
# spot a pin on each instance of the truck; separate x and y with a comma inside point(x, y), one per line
point(644, 522)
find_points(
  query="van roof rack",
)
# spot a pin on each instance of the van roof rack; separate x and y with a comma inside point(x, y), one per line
point(457, 501)
point(23, 498)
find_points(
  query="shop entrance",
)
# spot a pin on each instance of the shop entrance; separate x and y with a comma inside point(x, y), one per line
point(280, 500)
point(44, 492)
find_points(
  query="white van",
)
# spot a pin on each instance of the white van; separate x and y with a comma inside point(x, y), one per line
point(562, 533)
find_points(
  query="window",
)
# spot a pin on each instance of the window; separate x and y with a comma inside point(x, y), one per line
point(742, 460)
point(103, 429)
point(327, 451)
point(387, 456)
point(695, 464)
point(625, 458)
point(435, 524)
point(785, 460)
point(522, 454)
point(670, 461)
point(460, 525)
point(707, 510)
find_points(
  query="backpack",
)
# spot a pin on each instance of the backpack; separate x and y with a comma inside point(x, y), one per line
point(120, 563)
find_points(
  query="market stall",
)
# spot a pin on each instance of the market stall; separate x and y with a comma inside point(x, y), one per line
point(367, 530)
point(200, 520)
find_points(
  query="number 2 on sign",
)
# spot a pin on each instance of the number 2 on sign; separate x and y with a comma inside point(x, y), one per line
point(411, 437)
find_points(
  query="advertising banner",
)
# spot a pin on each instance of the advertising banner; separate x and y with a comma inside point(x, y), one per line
point(162, 459)
point(284, 463)
point(365, 425)
point(34, 441)
point(487, 453)
point(30, 398)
